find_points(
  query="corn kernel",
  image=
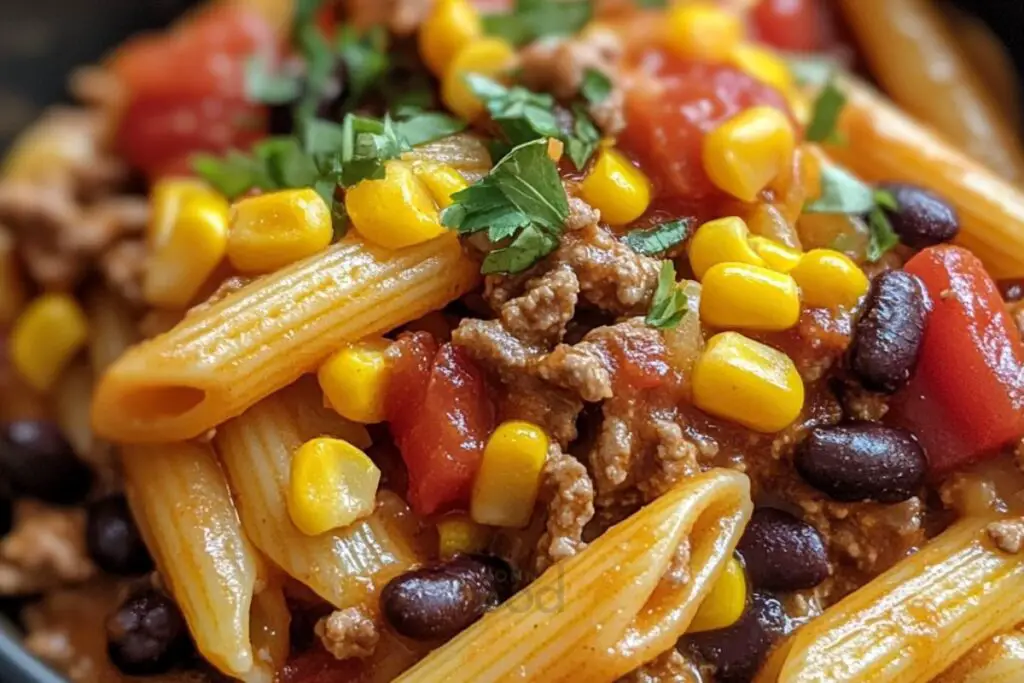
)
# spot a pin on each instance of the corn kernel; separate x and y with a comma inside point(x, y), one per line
point(272, 230)
point(724, 603)
point(556, 148)
point(723, 240)
point(505, 489)
point(449, 27)
point(776, 255)
point(746, 153)
point(46, 336)
point(739, 295)
point(484, 56)
point(332, 485)
point(739, 379)
point(616, 188)
point(185, 248)
point(764, 65)
point(396, 211)
point(702, 31)
point(441, 180)
point(355, 380)
point(458, 534)
point(829, 279)
point(165, 201)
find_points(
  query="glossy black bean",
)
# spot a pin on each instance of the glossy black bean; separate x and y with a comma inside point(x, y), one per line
point(887, 338)
point(38, 462)
point(923, 218)
point(439, 601)
point(738, 651)
point(113, 539)
point(862, 461)
point(147, 635)
point(782, 552)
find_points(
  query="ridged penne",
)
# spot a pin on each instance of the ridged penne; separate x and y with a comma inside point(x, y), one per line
point(913, 621)
point(181, 501)
point(344, 567)
point(999, 660)
point(610, 608)
point(883, 143)
point(220, 361)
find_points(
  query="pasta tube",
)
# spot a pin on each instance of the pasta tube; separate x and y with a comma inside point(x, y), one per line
point(914, 620)
point(916, 59)
point(344, 567)
point(182, 504)
point(1000, 660)
point(607, 610)
point(886, 144)
point(219, 361)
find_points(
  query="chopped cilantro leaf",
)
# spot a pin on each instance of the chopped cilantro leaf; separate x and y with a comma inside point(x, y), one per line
point(813, 71)
point(424, 127)
point(367, 144)
point(365, 57)
point(595, 87)
point(263, 85)
point(583, 141)
point(233, 175)
point(522, 114)
point(669, 304)
point(882, 237)
point(533, 19)
point(652, 4)
point(825, 114)
point(842, 193)
point(659, 238)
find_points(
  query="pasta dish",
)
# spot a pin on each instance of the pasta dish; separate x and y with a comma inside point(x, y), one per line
point(466, 341)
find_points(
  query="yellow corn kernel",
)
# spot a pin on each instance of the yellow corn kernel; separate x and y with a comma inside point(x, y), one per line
point(270, 231)
point(746, 153)
point(739, 379)
point(739, 295)
point(723, 240)
point(449, 27)
point(355, 380)
point(723, 606)
point(458, 534)
point(556, 148)
point(764, 65)
point(441, 180)
point(776, 255)
point(46, 336)
point(829, 279)
point(396, 211)
point(484, 56)
point(185, 248)
point(506, 485)
point(165, 201)
point(702, 31)
point(616, 188)
point(332, 485)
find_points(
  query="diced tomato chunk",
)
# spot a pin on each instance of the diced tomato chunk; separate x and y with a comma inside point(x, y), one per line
point(440, 415)
point(320, 666)
point(639, 362)
point(794, 25)
point(667, 118)
point(966, 399)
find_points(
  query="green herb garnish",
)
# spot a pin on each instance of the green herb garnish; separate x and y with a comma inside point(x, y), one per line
point(882, 236)
point(521, 205)
point(522, 114)
point(842, 193)
point(423, 127)
point(365, 57)
point(825, 114)
point(669, 304)
point(812, 71)
point(659, 238)
point(533, 19)
point(595, 87)
point(583, 141)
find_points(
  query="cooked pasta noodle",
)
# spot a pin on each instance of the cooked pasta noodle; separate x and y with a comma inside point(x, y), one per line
point(607, 610)
point(112, 329)
point(344, 566)
point(218, 362)
point(1000, 660)
point(914, 620)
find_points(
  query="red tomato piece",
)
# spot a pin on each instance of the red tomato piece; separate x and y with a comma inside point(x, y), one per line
point(320, 666)
point(666, 119)
point(440, 415)
point(790, 24)
point(639, 362)
point(966, 398)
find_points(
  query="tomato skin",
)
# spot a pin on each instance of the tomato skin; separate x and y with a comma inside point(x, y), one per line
point(666, 120)
point(440, 415)
point(966, 398)
point(794, 25)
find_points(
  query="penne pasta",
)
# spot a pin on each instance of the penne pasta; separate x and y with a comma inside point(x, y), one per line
point(344, 567)
point(184, 510)
point(885, 144)
point(1000, 660)
point(111, 328)
point(220, 361)
point(607, 610)
point(917, 61)
point(914, 620)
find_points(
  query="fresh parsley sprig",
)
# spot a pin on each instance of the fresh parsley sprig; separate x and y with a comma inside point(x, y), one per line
point(828, 106)
point(521, 205)
point(659, 238)
point(533, 19)
point(842, 193)
point(669, 304)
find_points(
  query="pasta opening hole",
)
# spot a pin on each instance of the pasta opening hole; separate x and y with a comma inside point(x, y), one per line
point(148, 403)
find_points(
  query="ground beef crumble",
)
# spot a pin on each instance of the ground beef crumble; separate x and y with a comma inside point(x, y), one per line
point(1007, 534)
point(348, 633)
point(570, 495)
point(669, 667)
point(44, 550)
point(612, 277)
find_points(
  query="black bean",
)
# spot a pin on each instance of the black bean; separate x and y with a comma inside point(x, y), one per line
point(38, 462)
point(439, 601)
point(736, 652)
point(923, 218)
point(782, 552)
point(113, 539)
point(887, 339)
point(6, 513)
point(862, 461)
point(147, 635)
point(1012, 290)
